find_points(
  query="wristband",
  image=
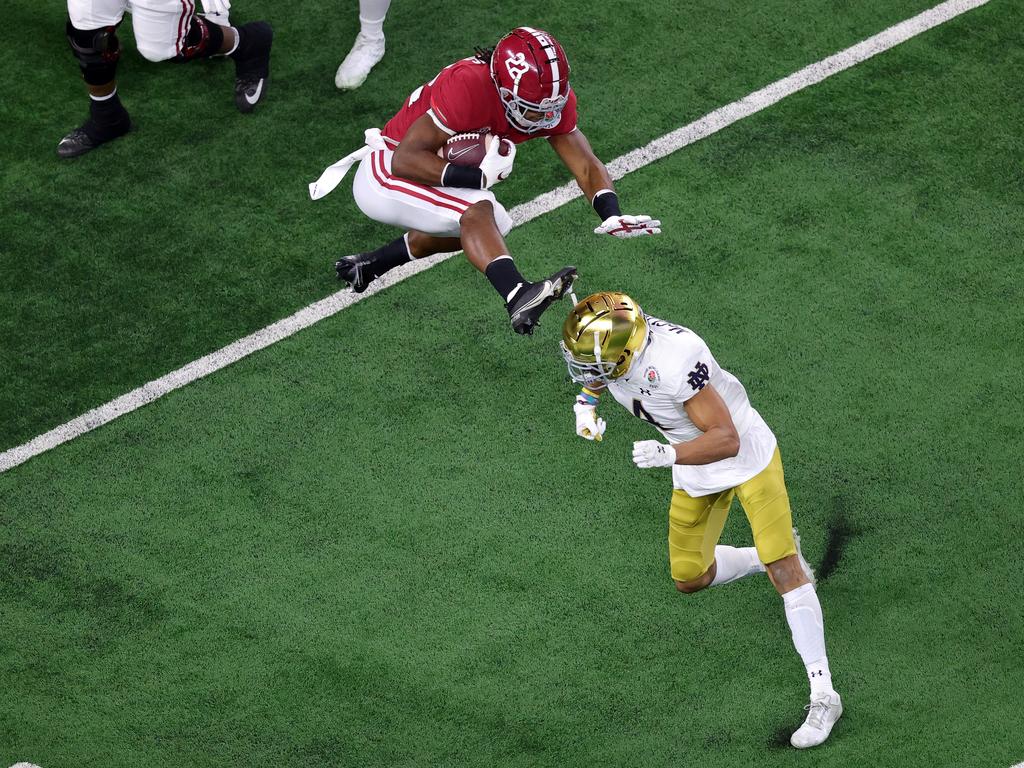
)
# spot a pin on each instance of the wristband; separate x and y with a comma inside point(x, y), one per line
point(588, 397)
point(606, 203)
point(467, 176)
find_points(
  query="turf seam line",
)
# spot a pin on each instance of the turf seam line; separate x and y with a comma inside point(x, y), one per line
point(521, 214)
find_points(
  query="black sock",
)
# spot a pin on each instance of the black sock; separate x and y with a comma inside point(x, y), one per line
point(389, 256)
point(252, 52)
point(504, 276)
point(108, 118)
point(241, 47)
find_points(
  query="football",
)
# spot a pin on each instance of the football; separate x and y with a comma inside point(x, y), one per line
point(468, 148)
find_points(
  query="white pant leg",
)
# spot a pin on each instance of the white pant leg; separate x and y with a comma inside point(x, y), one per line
point(160, 26)
point(432, 210)
point(96, 14)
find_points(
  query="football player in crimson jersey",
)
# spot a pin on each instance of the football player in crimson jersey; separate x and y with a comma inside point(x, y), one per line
point(516, 92)
point(718, 447)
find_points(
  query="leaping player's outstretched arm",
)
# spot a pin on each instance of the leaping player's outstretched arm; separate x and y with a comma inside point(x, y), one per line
point(590, 173)
point(593, 178)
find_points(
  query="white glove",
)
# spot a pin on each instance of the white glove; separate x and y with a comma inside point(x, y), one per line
point(497, 167)
point(588, 426)
point(217, 11)
point(629, 226)
point(651, 453)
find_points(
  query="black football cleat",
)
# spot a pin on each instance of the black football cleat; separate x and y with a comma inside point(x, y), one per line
point(355, 270)
point(80, 141)
point(76, 143)
point(252, 64)
point(528, 305)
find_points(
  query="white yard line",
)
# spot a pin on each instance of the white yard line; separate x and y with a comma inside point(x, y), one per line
point(549, 201)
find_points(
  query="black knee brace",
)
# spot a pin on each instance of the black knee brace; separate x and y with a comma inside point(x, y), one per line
point(97, 51)
point(203, 39)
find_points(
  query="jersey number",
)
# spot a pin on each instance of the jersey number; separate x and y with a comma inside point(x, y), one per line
point(641, 413)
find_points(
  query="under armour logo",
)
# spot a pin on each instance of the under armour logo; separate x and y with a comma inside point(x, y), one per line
point(698, 377)
point(516, 66)
point(819, 673)
point(645, 391)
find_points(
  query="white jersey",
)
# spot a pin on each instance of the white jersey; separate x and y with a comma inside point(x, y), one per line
point(674, 367)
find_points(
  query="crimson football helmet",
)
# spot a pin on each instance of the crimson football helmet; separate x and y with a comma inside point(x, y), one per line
point(531, 73)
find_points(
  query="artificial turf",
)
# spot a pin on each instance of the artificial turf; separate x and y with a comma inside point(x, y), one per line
point(379, 542)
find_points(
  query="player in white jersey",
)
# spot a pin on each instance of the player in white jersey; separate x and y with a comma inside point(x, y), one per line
point(718, 447)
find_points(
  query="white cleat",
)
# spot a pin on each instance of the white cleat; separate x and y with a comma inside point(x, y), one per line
point(808, 571)
point(822, 713)
point(365, 53)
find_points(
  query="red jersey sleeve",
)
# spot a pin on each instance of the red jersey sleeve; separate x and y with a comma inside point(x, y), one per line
point(458, 96)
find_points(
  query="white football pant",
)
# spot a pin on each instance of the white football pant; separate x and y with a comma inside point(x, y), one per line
point(160, 26)
point(389, 199)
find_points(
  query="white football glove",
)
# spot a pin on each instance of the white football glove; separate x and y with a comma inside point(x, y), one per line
point(651, 453)
point(588, 426)
point(629, 226)
point(217, 11)
point(497, 167)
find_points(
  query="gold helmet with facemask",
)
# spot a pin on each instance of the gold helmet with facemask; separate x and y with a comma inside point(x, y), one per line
point(602, 336)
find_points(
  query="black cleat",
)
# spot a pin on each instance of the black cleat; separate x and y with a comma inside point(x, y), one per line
point(78, 142)
point(355, 270)
point(528, 305)
point(252, 64)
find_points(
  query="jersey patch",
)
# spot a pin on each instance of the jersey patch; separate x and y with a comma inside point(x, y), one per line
point(698, 377)
point(652, 378)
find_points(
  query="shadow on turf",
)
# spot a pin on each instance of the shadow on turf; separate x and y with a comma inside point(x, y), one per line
point(838, 532)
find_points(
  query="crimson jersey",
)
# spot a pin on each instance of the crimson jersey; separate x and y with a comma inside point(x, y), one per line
point(461, 99)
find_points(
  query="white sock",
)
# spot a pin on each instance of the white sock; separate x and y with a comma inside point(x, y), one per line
point(371, 17)
point(238, 39)
point(803, 613)
point(733, 563)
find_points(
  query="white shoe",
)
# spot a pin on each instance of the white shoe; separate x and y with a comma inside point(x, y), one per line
point(822, 713)
point(808, 571)
point(365, 53)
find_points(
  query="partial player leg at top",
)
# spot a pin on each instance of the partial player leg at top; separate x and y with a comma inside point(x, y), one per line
point(368, 48)
point(164, 30)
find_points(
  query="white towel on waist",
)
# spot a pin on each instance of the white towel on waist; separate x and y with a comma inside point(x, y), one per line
point(332, 175)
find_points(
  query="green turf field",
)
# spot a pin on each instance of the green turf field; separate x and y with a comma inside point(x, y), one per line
point(379, 542)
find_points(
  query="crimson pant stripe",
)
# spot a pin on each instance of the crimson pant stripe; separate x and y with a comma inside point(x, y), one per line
point(379, 174)
point(424, 188)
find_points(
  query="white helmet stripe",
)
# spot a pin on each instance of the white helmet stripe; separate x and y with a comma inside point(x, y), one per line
point(547, 46)
point(555, 80)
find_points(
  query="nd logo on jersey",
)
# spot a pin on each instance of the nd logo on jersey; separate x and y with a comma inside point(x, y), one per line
point(516, 66)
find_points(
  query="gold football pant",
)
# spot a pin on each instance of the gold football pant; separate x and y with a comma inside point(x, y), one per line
point(695, 523)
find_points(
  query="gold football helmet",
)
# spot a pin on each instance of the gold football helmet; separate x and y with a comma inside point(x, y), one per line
point(602, 336)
